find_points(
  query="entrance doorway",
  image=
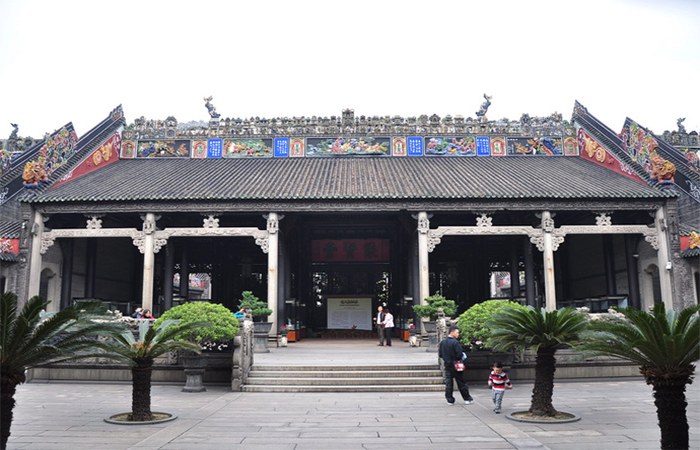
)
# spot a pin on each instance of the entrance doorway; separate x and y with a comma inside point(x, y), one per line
point(351, 281)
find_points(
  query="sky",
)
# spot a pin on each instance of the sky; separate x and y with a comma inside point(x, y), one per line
point(75, 61)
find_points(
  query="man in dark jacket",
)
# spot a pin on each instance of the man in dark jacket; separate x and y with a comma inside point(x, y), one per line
point(451, 352)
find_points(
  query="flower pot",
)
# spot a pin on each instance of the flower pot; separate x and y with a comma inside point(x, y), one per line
point(431, 329)
point(260, 332)
point(194, 369)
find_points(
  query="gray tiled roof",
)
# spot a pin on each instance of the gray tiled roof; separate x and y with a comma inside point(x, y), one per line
point(10, 230)
point(350, 178)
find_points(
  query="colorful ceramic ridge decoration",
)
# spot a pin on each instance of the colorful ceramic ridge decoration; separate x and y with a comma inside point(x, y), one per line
point(348, 146)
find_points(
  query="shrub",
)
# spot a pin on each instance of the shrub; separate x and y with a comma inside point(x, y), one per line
point(473, 332)
point(258, 309)
point(223, 323)
point(435, 301)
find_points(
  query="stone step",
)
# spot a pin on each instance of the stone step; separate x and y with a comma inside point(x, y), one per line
point(259, 381)
point(346, 389)
point(344, 373)
point(365, 378)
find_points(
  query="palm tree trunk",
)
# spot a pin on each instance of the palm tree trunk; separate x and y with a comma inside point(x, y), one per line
point(7, 404)
point(141, 391)
point(541, 404)
point(669, 398)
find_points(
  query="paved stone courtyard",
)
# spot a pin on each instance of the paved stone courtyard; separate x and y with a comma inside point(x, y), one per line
point(617, 414)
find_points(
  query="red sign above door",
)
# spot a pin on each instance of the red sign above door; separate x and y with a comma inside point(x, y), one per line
point(350, 250)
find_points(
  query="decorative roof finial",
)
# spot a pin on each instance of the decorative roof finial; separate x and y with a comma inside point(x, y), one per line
point(211, 108)
point(681, 127)
point(481, 113)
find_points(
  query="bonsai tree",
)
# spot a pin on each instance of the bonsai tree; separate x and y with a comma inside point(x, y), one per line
point(666, 346)
point(153, 342)
point(544, 331)
point(27, 341)
point(223, 324)
point(434, 302)
point(473, 332)
point(258, 309)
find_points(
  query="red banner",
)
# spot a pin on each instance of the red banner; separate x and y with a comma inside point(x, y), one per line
point(106, 154)
point(350, 250)
point(591, 150)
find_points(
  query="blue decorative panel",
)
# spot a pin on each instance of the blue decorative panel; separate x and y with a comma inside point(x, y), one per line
point(214, 147)
point(483, 146)
point(415, 146)
point(281, 147)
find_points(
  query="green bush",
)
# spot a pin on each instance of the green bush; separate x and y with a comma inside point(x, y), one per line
point(434, 302)
point(473, 332)
point(223, 323)
point(258, 309)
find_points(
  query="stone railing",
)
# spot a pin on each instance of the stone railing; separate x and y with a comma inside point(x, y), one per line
point(242, 355)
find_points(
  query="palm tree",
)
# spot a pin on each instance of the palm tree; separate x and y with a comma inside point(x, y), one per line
point(140, 355)
point(544, 331)
point(28, 341)
point(665, 346)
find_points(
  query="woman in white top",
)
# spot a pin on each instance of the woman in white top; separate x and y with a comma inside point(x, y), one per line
point(388, 326)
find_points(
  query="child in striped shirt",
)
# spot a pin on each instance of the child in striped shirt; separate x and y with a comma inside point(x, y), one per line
point(498, 381)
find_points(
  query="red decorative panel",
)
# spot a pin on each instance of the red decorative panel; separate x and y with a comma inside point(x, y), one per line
point(106, 154)
point(591, 150)
point(350, 250)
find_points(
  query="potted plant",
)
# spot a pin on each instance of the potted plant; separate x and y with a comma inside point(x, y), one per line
point(259, 310)
point(222, 329)
point(430, 312)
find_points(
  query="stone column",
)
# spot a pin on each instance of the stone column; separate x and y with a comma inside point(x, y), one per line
point(548, 257)
point(529, 273)
point(609, 256)
point(90, 267)
point(665, 265)
point(184, 272)
point(423, 266)
point(149, 227)
point(37, 231)
point(272, 266)
point(67, 273)
point(514, 271)
point(632, 272)
point(168, 273)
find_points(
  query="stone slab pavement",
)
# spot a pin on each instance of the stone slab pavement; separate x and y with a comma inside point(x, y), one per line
point(615, 414)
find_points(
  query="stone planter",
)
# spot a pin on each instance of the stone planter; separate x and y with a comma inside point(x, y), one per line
point(261, 330)
point(431, 330)
point(194, 369)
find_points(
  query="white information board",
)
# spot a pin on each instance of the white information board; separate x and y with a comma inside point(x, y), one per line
point(344, 313)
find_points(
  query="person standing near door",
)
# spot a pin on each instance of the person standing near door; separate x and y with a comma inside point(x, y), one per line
point(388, 325)
point(380, 325)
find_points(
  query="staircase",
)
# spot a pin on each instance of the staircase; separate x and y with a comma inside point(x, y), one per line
point(382, 378)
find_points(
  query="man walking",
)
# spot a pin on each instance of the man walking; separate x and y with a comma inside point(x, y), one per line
point(451, 352)
point(380, 325)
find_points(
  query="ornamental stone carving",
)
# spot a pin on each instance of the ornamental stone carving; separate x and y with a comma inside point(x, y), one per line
point(158, 244)
point(262, 241)
point(484, 221)
point(211, 222)
point(94, 223)
point(603, 220)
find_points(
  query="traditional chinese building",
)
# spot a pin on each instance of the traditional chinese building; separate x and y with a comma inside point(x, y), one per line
point(327, 217)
